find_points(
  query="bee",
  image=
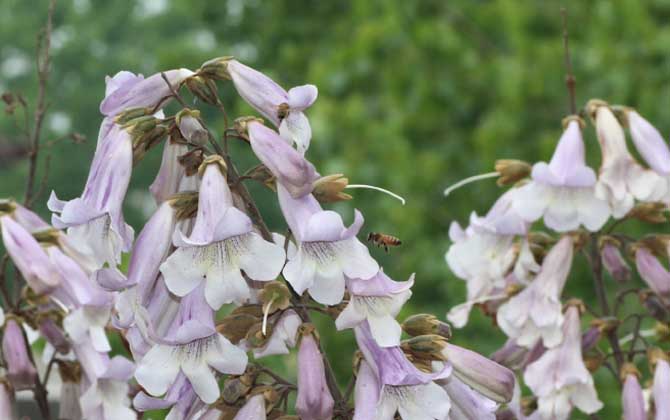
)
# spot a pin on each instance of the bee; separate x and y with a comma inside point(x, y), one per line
point(383, 240)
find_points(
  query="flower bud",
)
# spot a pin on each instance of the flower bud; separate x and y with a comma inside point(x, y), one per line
point(653, 272)
point(69, 407)
point(328, 189)
point(7, 401)
point(234, 388)
point(191, 161)
point(425, 347)
point(125, 117)
point(20, 370)
point(511, 171)
point(203, 88)
point(510, 355)
point(649, 142)
point(191, 128)
point(482, 374)
point(216, 68)
point(653, 212)
point(613, 261)
point(253, 409)
point(54, 335)
point(632, 398)
point(314, 401)
point(421, 324)
point(590, 338)
point(236, 326)
point(660, 365)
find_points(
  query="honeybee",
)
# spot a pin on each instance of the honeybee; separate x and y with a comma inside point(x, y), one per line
point(383, 240)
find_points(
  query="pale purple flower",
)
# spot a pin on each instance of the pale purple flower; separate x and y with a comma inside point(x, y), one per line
point(253, 409)
point(661, 389)
point(510, 354)
point(68, 403)
point(284, 109)
point(388, 383)
point(562, 191)
point(88, 323)
point(466, 403)
point(615, 263)
point(170, 173)
point(193, 347)
point(377, 301)
point(653, 272)
point(649, 142)
point(292, 170)
point(314, 401)
point(560, 379)
point(181, 397)
point(54, 335)
point(20, 370)
point(632, 399)
point(95, 220)
point(126, 90)
point(536, 311)
point(7, 401)
point(284, 330)
point(221, 244)
point(29, 256)
point(622, 179)
point(107, 398)
point(327, 251)
point(94, 364)
point(191, 128)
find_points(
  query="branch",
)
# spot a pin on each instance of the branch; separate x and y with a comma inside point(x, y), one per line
point(569, 76)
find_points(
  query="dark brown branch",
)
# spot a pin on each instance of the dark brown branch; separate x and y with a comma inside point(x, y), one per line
point(569, 76)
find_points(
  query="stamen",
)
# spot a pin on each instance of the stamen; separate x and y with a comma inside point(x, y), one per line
point(266, 313)
point(372, 187)
point(468, 180)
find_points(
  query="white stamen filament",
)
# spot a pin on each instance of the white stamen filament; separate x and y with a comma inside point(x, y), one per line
point(266, 313)
point(643, 333)
point(468, 180)
point(372, 187)
point(61, 304)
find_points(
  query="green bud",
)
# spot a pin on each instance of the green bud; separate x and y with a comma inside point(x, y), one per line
point(216, 68)
point(422, 324)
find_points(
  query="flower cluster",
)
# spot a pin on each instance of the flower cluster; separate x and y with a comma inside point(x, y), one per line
point(207, 284)
point(518, 275)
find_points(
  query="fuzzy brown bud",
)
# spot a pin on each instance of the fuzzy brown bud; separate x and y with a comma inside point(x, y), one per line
point(328, 189)
point(649, 212)
point(203, 88)
point(425, 347)
point(275, 296)
point(511, 171)
point(216, 68)
point(422, 324)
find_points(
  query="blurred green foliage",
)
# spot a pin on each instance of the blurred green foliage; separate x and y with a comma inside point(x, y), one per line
point(413, 96)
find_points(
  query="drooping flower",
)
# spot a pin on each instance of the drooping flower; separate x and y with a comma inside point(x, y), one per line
point(562, 192)
point(95, 221)
point(631, 396)
point(181, 397)
point(377, 301)
point(7, 401)
point(20, 370)
point(661, 386)
point(284, 330)
point(314, 401)
point(327, 251)
point(193, 347)
point(170, 172)
point(559, 377)
point(221, 244)
point(622, 179)
point(649, 142)
point(388, 383)
point(191, 128)
point(107, 398)
point(253, 409)
point(614, 262)
point(653, 272)
point(536, 311)
point(126, 90)
point(284, 109)
point(466, 403)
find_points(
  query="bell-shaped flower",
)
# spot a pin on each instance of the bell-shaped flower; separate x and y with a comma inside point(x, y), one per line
point(107, 398)
point(284, 330)
point(632, 399)
point(193, 347)
point(170, 173)
point(466, 403)
point(221, 244)
point(327, 251)
point(7, 401)
point(653, 272)
point(314, 401)
point(125, 90)
point(95, 220)
point(292, 170)
point(560, 379)
point(562, 192)
point(622, 179)
point(661, 389)
point(649, 142)
point(284, 109)
point(20, 370)
point(253, 409)
point(68, 403)
point(377, 301)
point(388, 383)
point(536, 311)
point(28, 256)
point(181, 397)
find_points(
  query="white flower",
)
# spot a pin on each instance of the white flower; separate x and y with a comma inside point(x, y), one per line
point(107, 398)
point(89, 322)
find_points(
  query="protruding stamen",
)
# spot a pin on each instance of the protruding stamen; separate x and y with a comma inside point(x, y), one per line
point(372, 187)
point(266, 313)
point(468, 180)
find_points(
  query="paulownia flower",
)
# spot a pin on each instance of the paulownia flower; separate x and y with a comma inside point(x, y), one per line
point(631, 396)
point(314, 401)
point(653, 272)
point(661, 389)
point(466, 403)
point(107, 398)
point(20, 370)
point(649, 142)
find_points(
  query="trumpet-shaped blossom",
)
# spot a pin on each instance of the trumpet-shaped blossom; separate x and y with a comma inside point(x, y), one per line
point(28, 256)
point(653, 273)
point(562, 191)
point(377, 301)
point(313, 401)
point(170, 173)
point(661, 389)
point(20, 370)
point(292, 170)
point(193, 347)
point(559, 378)
point(284, 109)
point(327, 251)
point(466, 403)
point(253, 409)
point(95, 221)
point(536, 311)
point(7, 402)
point(221, 244)
point(622, 179)
point(107, 398)
point(181, 397)
point(632, 399)
point(88, 323)
point(126, 90)
point(388, 383)
point(649, 142)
